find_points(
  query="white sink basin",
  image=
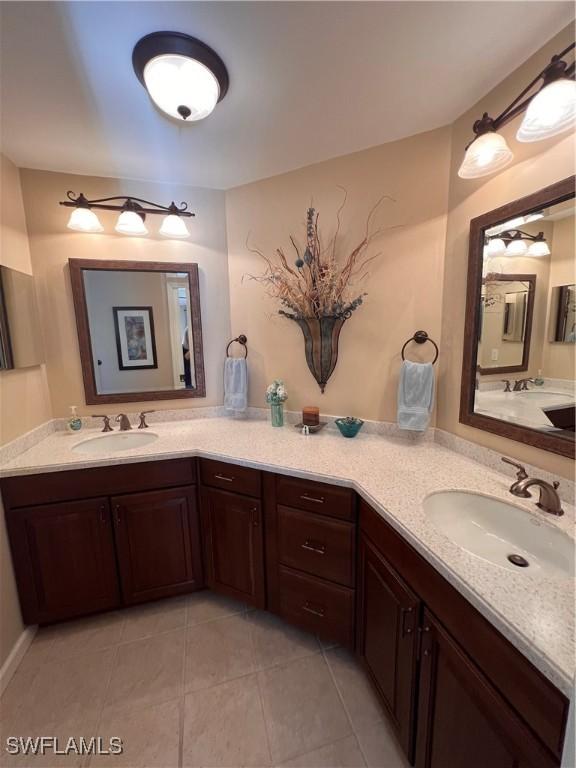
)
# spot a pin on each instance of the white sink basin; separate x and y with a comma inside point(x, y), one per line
point(494, 530)
point(120, 441)
point(545, 397)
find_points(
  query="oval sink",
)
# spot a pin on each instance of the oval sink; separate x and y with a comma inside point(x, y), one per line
point(121, 441)
point(501, 533)
point(546, 397)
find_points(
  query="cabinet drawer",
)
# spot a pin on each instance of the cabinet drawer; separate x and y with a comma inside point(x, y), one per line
point(318, 545)
point(326, 499)
point(318, 606)
point(230, 477)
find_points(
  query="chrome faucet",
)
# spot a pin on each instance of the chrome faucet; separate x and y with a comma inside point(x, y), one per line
point(124, 422)
point(549, 500)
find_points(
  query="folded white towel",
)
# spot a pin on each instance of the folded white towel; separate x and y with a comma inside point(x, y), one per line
point(235, 384)
point(415, 395)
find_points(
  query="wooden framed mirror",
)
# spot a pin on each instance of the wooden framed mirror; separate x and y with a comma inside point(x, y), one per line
point(139, 330)
point(521, 319)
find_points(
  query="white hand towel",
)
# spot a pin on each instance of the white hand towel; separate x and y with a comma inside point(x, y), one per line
point(415, 395)
point(235, 384)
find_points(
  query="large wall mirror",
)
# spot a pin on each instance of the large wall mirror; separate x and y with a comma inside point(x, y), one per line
point(520, 340)
point(139, 330)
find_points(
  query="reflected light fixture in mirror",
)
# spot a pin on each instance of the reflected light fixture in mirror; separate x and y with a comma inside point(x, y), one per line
point(516, 247)
point(539, 248)
point(84, 220)
point(130, 223)
point(549, 111)
point(173, 226)
point(183, 76)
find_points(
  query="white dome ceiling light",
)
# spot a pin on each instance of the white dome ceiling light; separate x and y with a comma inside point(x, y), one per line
point(183, 76)
point(549, 111)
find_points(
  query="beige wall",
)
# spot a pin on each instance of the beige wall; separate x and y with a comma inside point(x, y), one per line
point(24, 399)
point(404, 286)
point(52, 244)
point(535, 166)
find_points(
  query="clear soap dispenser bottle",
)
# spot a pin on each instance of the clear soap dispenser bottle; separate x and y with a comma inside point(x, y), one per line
point(539, 381)
point(74, 422)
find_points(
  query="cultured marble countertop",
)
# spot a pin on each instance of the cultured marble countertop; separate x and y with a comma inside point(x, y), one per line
point(535, 612)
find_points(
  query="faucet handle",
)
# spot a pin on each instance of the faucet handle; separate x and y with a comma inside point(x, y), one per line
point(107, 427)
point(142, 417)
point(521, 474)
point(507, 387)
point(556, 484)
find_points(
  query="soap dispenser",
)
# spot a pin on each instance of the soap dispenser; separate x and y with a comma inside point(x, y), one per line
point(74, 422)
point(539, 381)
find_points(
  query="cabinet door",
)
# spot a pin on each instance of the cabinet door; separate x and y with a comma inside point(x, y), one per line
point(234, 545)
point(64, 559)
point(463, 722)
point(387, 639)
point(158, 543)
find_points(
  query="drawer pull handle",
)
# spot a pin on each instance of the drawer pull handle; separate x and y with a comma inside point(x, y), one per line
point(316, 611)
point(305, 497)
point(117, 514)
point(314, 546)
point(255, 517)
point(103, 514)
point(223, 477)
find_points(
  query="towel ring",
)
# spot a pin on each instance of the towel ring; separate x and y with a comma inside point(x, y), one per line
point(421, 337)
point(241, 340)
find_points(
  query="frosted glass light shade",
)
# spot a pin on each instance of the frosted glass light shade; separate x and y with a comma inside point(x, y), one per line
point(495, 247)
point(84, 220)
point(174, 226)
point(130, 223)
point(516, 248)
point(539, 248)
point(175, 82)
point(488, 153)
point(551, 111)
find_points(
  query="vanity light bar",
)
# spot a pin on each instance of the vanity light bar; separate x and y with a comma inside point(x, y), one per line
point(549, 111)
point(133, 212)
point(512, 243)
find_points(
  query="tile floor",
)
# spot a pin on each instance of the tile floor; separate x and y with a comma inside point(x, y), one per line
point(196, 681)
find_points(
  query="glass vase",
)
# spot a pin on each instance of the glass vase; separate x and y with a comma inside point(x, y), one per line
point(277, 414)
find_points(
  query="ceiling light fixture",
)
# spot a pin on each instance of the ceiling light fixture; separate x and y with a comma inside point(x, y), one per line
point(133, 212)
point(183, 76)
point(550, 111)
point(516, 243)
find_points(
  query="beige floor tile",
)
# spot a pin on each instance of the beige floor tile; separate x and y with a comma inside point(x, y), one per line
point(302, 707)
point(63, 732)
point(356, 691)
point(148, 671)
point(150, 736)
point(154, 618)
point(40, 650)
point(379, 746)
point(72, 688)
point(276, 642)
point(344, 753)
point(207, 606)
point(90, 634)
point(224, 726)
point(218, 651)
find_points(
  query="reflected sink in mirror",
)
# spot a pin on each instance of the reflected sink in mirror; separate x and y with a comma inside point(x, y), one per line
point(550, 398)
point(121, 441)
point(494, 530)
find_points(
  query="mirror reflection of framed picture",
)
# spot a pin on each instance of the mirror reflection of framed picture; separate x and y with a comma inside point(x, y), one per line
point(135, 340)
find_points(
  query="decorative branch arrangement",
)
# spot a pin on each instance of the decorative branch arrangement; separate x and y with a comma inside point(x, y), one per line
point(319, 282)
point(318, 291)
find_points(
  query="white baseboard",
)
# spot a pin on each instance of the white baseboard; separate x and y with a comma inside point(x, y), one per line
point(15, 656)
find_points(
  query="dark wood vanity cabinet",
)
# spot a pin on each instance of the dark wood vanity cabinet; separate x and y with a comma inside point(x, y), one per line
point(86, 541)
point(387, 643)
point(480, 702)
point(64, 559)
point(158, 543)
point(233, 531)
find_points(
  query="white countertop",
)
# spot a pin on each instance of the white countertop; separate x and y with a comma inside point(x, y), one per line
point(535, 612)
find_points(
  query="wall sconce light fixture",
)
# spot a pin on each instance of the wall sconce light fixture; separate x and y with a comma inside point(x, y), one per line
point(515, 242)
point(550, 111)
point(183, 76)
point(133, 212)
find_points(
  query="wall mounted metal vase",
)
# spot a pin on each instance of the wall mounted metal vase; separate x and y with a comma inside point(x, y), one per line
point(321, 335)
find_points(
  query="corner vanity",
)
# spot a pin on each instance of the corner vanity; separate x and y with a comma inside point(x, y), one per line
point(471, 661)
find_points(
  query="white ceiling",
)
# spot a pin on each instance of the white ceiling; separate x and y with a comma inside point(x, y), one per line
point(308, 80)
